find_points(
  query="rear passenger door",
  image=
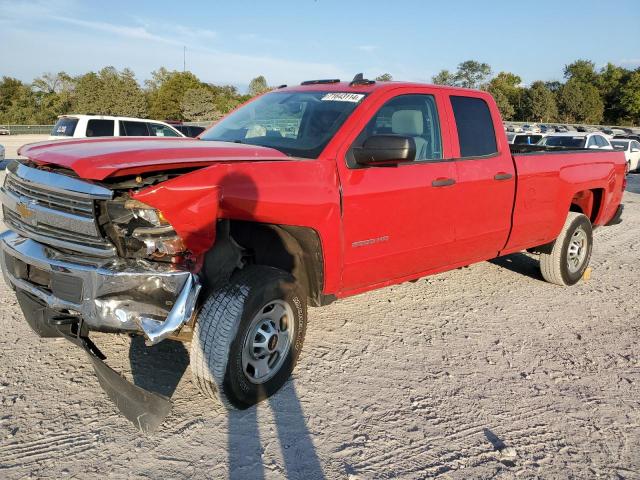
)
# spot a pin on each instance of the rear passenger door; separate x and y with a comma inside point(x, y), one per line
point(485, 188)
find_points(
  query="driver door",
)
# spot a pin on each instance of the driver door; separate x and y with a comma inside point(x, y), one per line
point(397, 221)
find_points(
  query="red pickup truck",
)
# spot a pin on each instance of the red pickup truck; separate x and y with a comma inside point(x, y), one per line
point(304, 195)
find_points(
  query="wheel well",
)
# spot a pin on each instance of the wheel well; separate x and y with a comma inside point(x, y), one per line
point(296, 250)
point(587, 202)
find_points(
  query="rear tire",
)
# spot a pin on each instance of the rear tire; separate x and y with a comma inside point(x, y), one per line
point(248, 337)
point(570, 253)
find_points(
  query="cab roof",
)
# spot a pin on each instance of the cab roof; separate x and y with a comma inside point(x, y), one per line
point(349, 87)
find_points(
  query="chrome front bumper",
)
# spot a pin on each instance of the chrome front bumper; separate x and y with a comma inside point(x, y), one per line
point(111, 294)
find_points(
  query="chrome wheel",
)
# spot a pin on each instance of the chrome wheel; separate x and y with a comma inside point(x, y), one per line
point(268, 341)
point(577, 252)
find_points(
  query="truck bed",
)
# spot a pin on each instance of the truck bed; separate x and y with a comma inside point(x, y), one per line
point(551, 179)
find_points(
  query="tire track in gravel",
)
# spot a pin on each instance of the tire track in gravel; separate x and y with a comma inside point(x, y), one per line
point(48, 447)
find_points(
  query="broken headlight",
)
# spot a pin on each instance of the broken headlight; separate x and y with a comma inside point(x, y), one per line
point(140, 230)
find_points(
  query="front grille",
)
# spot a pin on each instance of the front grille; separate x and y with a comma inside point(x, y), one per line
point(54, 209)
point(64, 202)
point(12, 219)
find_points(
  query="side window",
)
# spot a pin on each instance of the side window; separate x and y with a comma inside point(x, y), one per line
point(100, 128)
point(476, 134)
point(133, 129)
point(602, 142)
point(414, 116)
point(592, 142)
point(635, 145)
point(159, 130)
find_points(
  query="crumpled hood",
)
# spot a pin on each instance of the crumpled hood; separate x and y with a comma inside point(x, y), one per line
point(99, 158)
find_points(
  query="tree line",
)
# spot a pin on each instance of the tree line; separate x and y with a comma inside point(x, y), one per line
point(609, 95)
point(168, 95)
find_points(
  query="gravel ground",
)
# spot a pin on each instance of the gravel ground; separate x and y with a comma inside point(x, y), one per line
point(13, 142)
point(481, 372)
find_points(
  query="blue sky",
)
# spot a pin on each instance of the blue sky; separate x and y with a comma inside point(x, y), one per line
point(289, 41)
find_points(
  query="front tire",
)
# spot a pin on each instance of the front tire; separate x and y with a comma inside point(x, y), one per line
point(570, 253)
point(248, 336)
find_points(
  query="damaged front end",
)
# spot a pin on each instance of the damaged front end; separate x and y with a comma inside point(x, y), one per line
point(82, 257)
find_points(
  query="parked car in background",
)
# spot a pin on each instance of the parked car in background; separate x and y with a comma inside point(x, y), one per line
point(577, 140)
point(524, 138)
point(631, 149)
point(85, 126)
point(531, 128)
point(189, 130)
point(4, 131)
point(628, 136)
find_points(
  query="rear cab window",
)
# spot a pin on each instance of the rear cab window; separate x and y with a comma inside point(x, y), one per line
point(64, 127)
point(100, 128)
point(476, 135)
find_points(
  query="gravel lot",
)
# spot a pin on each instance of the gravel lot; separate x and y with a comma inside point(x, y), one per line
point(482, 372)
point(13, 142)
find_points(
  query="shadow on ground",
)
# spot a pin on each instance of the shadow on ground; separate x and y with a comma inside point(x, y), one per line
point(161, 367)
point(158, 368)
point(520, 263)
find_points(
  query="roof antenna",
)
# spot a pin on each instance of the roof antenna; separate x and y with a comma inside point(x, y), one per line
point(360, 80)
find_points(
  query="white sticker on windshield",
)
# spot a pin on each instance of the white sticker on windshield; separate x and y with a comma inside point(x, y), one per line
point(343, 97)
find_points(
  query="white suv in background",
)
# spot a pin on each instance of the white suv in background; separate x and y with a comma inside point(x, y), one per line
point(86, 126)
point(596, 140)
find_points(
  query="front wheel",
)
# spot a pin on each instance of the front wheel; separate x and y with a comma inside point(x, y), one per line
point(248, 336)
point(570, 253)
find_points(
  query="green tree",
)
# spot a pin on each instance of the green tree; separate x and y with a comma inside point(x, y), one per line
point(385, 77)
point(226, 97)
point(505, 88)
point(199, 104)
point(581, 70)
point(258, 86)
point(539, 103)
point(630, 97)
point(57, 92)
point(611, 81)
point(110, 92)
point(507, 110)
point(444, 77)
point(165, 101)
point(580, 102)
point(10, 88)
point(472, 74)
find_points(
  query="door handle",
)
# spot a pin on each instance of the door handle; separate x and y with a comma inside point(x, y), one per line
point(442, 182)
point(502, 176)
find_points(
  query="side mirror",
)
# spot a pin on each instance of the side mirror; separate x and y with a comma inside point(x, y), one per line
point(385, 150)
point(593, 147)
point(635, 150)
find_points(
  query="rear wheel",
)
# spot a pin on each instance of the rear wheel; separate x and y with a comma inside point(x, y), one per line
point(248, 337)
point(570, 253)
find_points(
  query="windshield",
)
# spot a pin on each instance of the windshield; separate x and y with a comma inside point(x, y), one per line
point(564, 141)
point(64, 127)
point(300, 124)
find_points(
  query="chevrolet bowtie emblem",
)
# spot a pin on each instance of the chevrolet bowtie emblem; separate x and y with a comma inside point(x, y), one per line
point(25, 212)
